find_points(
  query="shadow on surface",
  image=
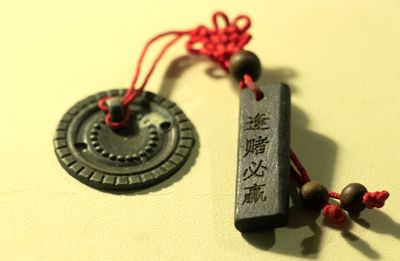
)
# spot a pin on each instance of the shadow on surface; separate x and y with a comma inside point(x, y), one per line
point(179, 65)
point(360, 245)
point(379, 222)
point(302, 236)
point(318, 155)
point(303, 233)
point(298, 217)
point(376, 221)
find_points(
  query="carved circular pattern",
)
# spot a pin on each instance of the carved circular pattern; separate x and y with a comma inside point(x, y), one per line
point(154, 145)
point(135, 157)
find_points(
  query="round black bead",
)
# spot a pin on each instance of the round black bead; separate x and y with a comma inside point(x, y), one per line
point(314, 194)
point(351, 198)
point(245, 62)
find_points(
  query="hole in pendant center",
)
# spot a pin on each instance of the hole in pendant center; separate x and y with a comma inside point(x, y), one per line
point(166, 125)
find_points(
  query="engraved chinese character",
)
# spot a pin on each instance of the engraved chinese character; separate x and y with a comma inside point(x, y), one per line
point(256, 169)
point(254, 194)
point(258, 122)
point(256, 146)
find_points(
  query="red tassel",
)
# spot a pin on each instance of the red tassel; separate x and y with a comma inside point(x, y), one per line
point(375, 199)
point(334, 213)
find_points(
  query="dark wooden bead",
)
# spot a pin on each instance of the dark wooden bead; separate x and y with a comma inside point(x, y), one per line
point(314, 194)
point(351, 198)
point(245, 62)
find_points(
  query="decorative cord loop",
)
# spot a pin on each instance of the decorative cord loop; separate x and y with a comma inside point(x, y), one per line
point(375, 199)
point(218, 43)
point(247, 81)
point(113, 125)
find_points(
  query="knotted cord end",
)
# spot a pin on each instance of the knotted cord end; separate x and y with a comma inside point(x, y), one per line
point(334, 213)
point(117, 115)
point(375, 199)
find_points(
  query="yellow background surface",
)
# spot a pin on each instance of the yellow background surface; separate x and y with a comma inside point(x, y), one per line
point(341, 58)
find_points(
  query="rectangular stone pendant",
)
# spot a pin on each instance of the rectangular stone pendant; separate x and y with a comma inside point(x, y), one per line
point(262, 193)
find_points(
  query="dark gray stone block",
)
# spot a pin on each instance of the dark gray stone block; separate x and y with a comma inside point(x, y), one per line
point(262, 193)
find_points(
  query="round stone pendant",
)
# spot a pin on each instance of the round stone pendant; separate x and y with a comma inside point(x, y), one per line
point(154, 144)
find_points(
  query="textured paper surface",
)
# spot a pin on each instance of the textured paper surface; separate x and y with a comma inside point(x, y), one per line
point(341, 58)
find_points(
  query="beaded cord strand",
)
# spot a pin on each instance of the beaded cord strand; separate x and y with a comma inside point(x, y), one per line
point(224, 45)
point(354, 197)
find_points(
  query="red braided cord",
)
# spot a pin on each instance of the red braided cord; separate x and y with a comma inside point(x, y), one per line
point(247, 81)
point(375, 199)
point(302, 172)
point(133, 92)
point(218, 43)
point(333, 194)
point(296, 176)
point(333, 213)
point(301, 175)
